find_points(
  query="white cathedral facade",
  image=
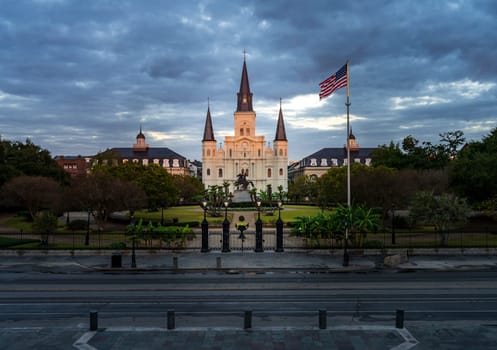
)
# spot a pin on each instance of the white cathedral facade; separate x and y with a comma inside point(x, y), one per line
point(245, 155)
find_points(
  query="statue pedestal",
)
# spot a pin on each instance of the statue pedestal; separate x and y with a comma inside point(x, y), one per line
point(240, 196)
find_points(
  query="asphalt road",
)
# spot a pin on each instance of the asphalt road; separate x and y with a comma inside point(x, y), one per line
point(276, 299)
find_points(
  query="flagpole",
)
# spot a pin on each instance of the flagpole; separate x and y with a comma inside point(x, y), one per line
point(345, 253)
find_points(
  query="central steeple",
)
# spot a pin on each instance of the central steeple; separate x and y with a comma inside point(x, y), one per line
point(244, 95)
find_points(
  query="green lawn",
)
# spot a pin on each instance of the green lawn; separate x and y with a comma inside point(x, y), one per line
point(18, 222)
point(195, 213)
point(8, 242)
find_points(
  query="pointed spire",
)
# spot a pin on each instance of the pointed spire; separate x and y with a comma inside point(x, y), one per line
point(208, 131)
point(280, 128)
point(140, 134)
point(244, 95)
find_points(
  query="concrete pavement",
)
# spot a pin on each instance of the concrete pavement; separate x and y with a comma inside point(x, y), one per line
point(95, 261)
point(351, 334)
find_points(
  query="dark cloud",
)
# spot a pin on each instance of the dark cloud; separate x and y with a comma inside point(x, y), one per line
point(81, 76)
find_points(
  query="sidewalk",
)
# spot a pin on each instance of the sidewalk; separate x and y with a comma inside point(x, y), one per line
point(233, 262)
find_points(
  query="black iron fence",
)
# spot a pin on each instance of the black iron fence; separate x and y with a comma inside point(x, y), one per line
point(119, 240)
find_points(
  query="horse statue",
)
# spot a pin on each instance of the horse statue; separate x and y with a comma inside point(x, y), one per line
point(243, 182)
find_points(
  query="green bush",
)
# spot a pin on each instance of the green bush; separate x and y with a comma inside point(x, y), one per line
point(117, 245)
point(373, 244)
point(6, 242)
point(77, 225)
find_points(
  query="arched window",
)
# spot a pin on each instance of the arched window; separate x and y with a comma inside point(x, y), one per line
point(208, 172)
point(208, 153)
point(281, 152)
point(281, 171)
point(241, 131)
point(248, 131)
point(220, 173)
point(269, 173)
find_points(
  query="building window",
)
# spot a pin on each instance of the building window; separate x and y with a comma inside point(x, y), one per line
point(220, 173)
point(125, 160)
point(334, 161)
point(368, 161)
point(344, 161)
point(314, 177)
point(281, 171)
point(259, 152)
point(269, 173)
point(176, 163)
point(156, 161)
point(165, 163)
point(314, 162)
point(231, 154)
point(145, 161)
point(357, 160)
point(208, 172)
point(281, 153)
point(248, 131)
point(208, 153)
point(324, 162)
point(136, 160)
point(241, 131)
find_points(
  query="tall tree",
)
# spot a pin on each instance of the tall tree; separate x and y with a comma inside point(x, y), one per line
point(157, 183)
point(34, 193)
point(441, 211)
point(474, 171)
point(17, 158)
point(303, 188)
point(189, 188)
point(102, 194)
point(420, 156)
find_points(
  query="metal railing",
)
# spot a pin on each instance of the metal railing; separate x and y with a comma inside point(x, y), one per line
point(380, 240)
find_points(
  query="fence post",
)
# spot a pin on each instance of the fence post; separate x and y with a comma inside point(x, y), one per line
point(247, 322)
point(93, 320)
point(399, 319)
point(171, 324)
point(322, 319)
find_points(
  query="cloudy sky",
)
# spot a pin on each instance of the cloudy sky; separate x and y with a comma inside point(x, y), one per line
point(78, 77)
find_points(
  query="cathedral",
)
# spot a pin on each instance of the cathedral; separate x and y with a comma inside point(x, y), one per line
point(245, 156)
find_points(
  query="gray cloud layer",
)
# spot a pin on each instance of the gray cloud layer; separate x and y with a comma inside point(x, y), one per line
point(81, 76)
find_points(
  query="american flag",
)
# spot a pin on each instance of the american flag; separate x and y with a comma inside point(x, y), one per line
point(333, 83)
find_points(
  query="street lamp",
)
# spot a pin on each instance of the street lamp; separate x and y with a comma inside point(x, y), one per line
point(133, 252)
point(87, 238)
point(279, 230)
point(258, 230)
point(205, 230)
point(393, 224)
point(346, 257)
point(162, 212)
point(226, 229)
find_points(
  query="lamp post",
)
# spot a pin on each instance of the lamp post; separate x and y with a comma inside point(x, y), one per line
point(87, 238)
point(133, 252)
point(393, 224)
point(226, 230)
point(258, 230)
point(205, 230)
point(279, 230)
point(346, 257)
point(162, 212)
